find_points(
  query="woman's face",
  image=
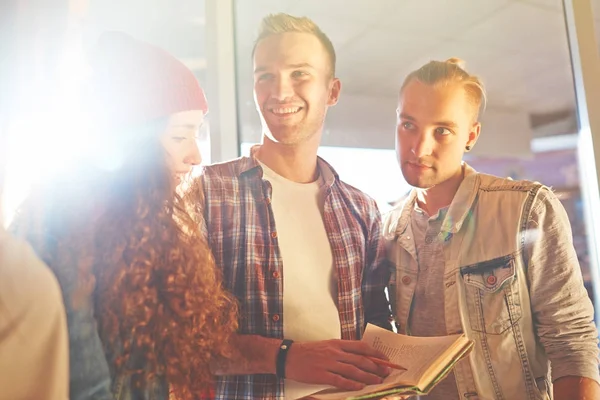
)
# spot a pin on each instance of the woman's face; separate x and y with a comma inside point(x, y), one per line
point(180, 142)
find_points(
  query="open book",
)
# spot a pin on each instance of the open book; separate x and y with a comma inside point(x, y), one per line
point(427, 361)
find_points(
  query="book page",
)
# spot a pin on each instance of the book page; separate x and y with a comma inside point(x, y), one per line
point(416, 354)
point(390, 382)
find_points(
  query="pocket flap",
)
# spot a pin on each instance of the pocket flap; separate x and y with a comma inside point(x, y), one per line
point(490, 275)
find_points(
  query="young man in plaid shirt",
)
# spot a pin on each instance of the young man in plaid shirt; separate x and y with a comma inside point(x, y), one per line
point(300, 249)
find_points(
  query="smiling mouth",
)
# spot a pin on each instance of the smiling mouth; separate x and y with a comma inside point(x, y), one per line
point(285, 111)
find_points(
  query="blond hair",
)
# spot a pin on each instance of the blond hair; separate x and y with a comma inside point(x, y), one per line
point(275, 24)
point(451, 71)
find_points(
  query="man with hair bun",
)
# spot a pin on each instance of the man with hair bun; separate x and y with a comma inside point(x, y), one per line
point(486, 256)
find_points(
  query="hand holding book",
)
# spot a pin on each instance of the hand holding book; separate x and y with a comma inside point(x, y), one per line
point(421, 362)
point(344, 364)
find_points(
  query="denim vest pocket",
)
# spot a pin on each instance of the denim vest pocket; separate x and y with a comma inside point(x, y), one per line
point(492, 295)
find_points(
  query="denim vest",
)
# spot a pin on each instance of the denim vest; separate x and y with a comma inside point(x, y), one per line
point(486, 292)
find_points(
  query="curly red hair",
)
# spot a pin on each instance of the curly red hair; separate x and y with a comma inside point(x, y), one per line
point(140, 254)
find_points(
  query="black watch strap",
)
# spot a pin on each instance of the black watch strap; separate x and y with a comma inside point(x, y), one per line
point(281, 357)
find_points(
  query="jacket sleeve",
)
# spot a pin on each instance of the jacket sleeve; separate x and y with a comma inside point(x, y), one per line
point(562, 311)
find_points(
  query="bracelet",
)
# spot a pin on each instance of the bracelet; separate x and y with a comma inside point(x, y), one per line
point(281, 357)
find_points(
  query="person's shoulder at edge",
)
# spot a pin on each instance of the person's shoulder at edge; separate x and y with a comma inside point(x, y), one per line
point(34, 317)
point(23, 273)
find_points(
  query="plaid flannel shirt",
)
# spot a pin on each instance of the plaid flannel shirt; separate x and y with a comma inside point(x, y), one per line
point(243, 237)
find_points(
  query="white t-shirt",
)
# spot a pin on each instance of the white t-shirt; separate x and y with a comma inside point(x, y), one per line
point(309, 285)
point(34, 344)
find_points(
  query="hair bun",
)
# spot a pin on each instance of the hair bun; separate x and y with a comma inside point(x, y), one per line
point(456, 61)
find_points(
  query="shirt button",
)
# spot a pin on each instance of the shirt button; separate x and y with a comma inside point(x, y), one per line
point(406, 280)
point(428, 240)
point(276, 317)
point(408, 237)
point(273, 235)
point(491, 280)
point(275, 274)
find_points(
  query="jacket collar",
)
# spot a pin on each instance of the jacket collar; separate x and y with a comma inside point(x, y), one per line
point(458, 211)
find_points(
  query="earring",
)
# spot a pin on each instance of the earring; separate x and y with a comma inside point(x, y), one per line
point(468, 148)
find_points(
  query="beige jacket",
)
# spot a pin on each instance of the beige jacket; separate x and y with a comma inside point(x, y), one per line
point(34, 359)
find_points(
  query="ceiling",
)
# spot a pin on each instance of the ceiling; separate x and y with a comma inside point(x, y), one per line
point(180, 29)
point(518, 47)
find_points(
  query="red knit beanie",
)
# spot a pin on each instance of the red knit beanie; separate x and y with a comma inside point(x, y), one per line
point(134, 82)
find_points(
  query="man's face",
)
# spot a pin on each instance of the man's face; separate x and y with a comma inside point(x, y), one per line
point(293, 86)
point(435, 123)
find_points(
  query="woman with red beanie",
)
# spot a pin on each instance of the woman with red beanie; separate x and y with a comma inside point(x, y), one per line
point(145, 308)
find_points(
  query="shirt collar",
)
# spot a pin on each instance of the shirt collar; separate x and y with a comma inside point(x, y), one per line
point(250, 167)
